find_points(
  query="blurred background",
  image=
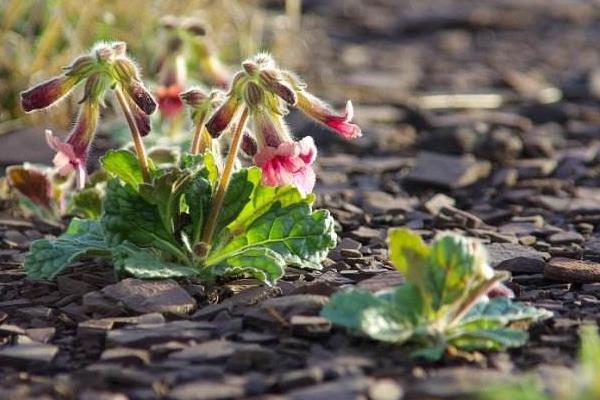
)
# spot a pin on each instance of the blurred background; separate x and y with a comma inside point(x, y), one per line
point(402, 62)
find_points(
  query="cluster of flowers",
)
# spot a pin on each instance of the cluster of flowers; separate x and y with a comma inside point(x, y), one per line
point(261, 91)
point(106, 67)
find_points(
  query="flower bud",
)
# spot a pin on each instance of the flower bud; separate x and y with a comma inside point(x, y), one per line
point(249, 145)
point(95, 88)
point(81, 68)
point(104, 54)
point(141, 97)
point(254, 95)
point(221, 119)
point(125, 70)
point(141, 119)
point(269, 128)
point(47, 93)
point(120, 49)
point(193, 97)
point(273, 82)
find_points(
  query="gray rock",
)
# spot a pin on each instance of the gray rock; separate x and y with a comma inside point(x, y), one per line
point(561, 238)
point(30, 354)
point(211, 351)
point(164, 296)
point(448, 171)
point(306, 304)
point(207, 390)
point(350, 388)
point(145, 335)
point(516, 258)
point(385, 389)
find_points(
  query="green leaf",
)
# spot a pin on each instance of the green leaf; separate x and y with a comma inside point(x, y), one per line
point(450, 270)
point(489, 339)
point(198, 195)
point(302, 236)
point(129, 217)
point(407, 252)
point(124, 165)
point(87, 203)
point(165, 193)
point(205, 162)
point(47, 258)
point(258, 262)
point(146, 264)
point(505, 311)
point(239, 191)
point(263, 198)
point(346, 308)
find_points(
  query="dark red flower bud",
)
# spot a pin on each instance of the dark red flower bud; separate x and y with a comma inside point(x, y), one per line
point(249, 145)
point(141, 97)
point(46, 93)
point(221, 119)
point(273, 82)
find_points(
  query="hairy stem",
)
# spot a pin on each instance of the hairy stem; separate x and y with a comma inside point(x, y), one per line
point(140, 150)
point(201, 141)
point(217, 201)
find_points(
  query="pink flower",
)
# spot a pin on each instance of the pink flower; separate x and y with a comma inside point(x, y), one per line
point(66, 160)
point(322, 112)
point(289, 164)
point(72, 154)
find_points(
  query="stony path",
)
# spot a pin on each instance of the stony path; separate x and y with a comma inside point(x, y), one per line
point(477, 119)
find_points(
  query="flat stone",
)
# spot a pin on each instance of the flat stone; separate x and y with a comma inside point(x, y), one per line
point(383, 280)
point(30, 354)
point(164, 296)
point(126, 356)
point(448, 171)
point(41, 335)
point(101, 325)
point(535, 167)
point(310, 326)
point(349, 388)
point(206, 390)
point(569, 237)
point(516, 258)
point(570, 270)
point(145, 335)
point(385, 389)
point(377, 202)
point(209, 351)
point(455, 383)
point(437, 202)
point(307, 304)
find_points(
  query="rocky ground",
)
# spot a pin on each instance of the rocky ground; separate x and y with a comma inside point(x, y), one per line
point(478, 117)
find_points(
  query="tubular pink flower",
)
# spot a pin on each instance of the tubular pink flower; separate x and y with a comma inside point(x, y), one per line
point(322, 112)
point(71, 155)
point(289, 164)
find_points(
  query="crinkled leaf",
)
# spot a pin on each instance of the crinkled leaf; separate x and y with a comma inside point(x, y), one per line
point(197, 194)
point(302, 236)
point(241, 186)
point(205, 162)
point(124, 165)
point(346, 308)
point(258, 262)
point(146, 264)
point(489, 339)
point(263, 198)
point(408, 253)
point(505, 311)
point(87, 203)
point(47, 258)
point(128, 217)
point(165, 193)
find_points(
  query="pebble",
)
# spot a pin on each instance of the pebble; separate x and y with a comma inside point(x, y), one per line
point(516, 258)
point(29, 355)
point(570, 270)
point(447, 171)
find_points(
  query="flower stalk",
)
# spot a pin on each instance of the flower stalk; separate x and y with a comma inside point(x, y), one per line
point(140, 150)
point(217, 201)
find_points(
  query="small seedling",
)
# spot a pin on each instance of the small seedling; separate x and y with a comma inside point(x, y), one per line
point(443, 303)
